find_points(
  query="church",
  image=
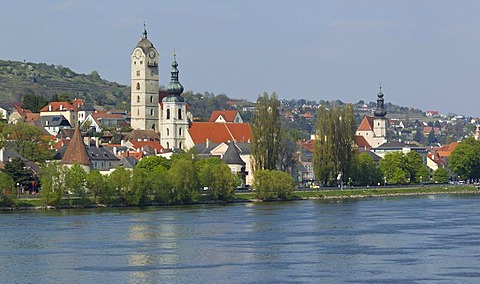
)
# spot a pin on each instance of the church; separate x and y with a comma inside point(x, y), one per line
point(164, 112)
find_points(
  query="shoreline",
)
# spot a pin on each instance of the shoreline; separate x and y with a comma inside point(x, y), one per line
point(298, 196)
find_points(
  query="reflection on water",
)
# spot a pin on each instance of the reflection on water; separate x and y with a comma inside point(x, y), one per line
point(384, 240)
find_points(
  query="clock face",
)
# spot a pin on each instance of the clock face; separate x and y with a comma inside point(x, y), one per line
point(151, 54)
point(137, 53)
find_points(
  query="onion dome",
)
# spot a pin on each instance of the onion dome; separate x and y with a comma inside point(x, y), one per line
point(380, 109)
point(174, 88)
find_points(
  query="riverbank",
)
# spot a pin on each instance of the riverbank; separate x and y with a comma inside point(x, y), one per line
point(36, 203)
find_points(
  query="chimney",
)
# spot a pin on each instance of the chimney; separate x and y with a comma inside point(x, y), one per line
point(97, 142)
point(207, 143)
point(122, 143)
point(49, 107)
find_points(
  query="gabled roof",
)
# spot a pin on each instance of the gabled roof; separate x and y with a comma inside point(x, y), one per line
point(140, 135)
point(31, 116)
point(220, 132)
point(394, 144)
point(59, 106)
point(366, 124)
point(76, 152)
point(147, 146)
point(232, 156)
point(306, 144)
point(7, 106)
point(228, 115)
point(54, 121)
point(361, 142)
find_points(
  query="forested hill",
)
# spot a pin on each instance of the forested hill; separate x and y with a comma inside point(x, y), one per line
point(20, 78)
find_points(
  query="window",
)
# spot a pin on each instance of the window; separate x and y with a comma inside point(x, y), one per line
point(151, 99)
point(141, 62)
point(168, 145)
point(138, 86)
point(138, 99)
point(138, 72)
point(180, 145)
point(168, 132)
point(180, 131)
point(138, 111)
point(168, 113)
point(179, 113)
point(151, 111)
point(153, 126)
point(134, 62)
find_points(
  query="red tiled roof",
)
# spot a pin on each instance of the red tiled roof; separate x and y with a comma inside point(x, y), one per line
point(59, 106)
point(361, 142)
point(30, 116)
point(220, 132)
point(366, 124)
point(308, 115)
point(76, 152)
point(152, 144)
point(306, 144)
point(136, 155)
point(228, 115)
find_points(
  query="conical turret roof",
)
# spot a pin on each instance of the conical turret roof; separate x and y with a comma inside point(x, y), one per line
point(76, 152)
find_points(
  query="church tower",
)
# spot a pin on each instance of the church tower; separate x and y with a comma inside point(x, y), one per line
point(144, 85)
point(379, 120)
point(174, 120)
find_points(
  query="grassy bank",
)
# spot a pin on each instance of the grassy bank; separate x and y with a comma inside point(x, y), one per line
point(37, 203)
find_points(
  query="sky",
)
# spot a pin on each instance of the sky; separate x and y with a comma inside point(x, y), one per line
point(425, 54)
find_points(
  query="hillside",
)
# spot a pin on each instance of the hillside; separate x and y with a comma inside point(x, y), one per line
point(19, 78)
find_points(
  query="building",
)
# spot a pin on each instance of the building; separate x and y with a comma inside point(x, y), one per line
point(374, 128)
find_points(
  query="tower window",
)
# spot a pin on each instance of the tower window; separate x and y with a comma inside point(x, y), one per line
point(138, 72)
point(151, 99)
point(153, 126)
point(180, 132)
point(138, 112)
point(168, 145)
point(138, 99)
point(141, 62)
point(138, 86)
point(168, 113)
point(168, 132)
point(179, 113)
point(151, 112)
point(180, 145)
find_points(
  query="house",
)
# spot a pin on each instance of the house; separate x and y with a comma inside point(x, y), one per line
point(69, 111)
point(6, 109)
point(98, 120)
point(397, 146)
point(432, 113)
point(306, 174)
point(217, 132)
point(232, 158)
point(54, 123)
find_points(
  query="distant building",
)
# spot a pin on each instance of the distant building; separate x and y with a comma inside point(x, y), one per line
point(374, 128)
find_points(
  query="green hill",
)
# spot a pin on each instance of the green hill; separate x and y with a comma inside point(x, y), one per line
point(20, 78)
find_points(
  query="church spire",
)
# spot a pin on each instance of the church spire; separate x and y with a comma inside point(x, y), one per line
point(174, 87)
point(380, 109)
point(144, 34)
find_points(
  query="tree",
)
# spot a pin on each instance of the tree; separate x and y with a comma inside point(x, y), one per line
point(184, 181)
point(120, 183)
point(52, 176)
point(415, 168)
point(272, 185)
point(17, 169)
point(141, 183)
point(161, 185)
point(33, 102)
point(441, 175)
point(75, 181)
point(27, 140)
point(149, 163)
point(334, 151)
point(465, 159)
point(418, 137)
point(98, 185)
point(7, 184)
point(268, 142)
point(431, 137)
point(400, 168)
point(217, 177)
point(367, 172)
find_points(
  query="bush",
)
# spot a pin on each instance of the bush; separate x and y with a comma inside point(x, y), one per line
point(272, 185)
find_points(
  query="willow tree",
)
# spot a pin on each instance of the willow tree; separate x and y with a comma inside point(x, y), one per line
point(334, 147)
point(268, 135)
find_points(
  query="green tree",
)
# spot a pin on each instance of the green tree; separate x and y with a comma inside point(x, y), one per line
point(367, 172)
point(465, 159)
point(141, 184)
point(17, 169)
point(441, 175)
point(272, 185)
point(27, 140)
point(52, 176)
point(268, 135)
point(431, 139)
point(7, 184)
point(150, 162)
point(161, 185)
point(33, 102)
point(334, 151)
point(75, 181)
point(418, 137)
point(97, 184)
point(393, 168)
point(416, 170)
point(217, 177)
point(184, 180)
point(120, 183)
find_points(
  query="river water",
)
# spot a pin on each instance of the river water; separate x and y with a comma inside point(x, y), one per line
point(378, 240)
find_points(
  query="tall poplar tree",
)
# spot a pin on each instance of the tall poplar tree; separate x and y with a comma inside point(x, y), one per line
point(334, 148)
point(268, 134)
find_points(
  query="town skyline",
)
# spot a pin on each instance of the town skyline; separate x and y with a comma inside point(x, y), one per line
point(328, 50)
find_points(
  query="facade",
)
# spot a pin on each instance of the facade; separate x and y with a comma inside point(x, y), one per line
point(69, 111)
point(374, 128)
point(144, 85)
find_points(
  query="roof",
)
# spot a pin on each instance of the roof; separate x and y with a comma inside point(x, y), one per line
point(306, 144)
point(366, 124)
point(7, 106)
point(31, 116)
point(100, 153)
point(220, 132)
point(59, 106)
point(76, 152)
point(361, 141)
point(148, 146)
point(232, 156)
point(228, 115)
point(54, 120)
point(141, 135)
point(394, 144)
point(128, 162)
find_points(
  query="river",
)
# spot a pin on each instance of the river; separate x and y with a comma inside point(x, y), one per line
point(420, 239)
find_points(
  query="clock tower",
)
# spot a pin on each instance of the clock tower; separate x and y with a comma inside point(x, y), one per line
point(144, 85)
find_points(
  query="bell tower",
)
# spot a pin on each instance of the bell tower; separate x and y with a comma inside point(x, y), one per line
point(144, 85)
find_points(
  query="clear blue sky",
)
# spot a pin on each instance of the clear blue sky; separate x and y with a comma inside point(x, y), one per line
point(426, 54)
